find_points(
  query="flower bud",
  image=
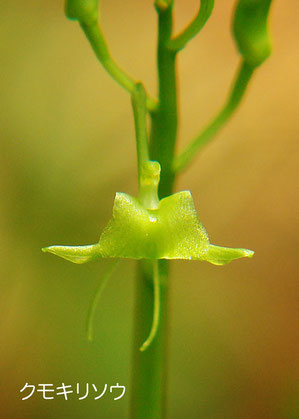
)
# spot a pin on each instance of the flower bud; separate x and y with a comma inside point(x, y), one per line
point(85, 11)
point(251, 32)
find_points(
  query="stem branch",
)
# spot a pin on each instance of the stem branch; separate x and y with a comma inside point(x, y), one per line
point(243, 77)
point(194, 27)
point(96, 38)
point(139, 110)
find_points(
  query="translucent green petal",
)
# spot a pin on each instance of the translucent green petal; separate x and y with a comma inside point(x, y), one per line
point(250, 30)
point(75, 254)
point(172, 231)
point(131, 231)
point(182, 234)
point(222, 255)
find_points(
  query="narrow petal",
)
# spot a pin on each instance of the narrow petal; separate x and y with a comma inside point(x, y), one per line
point(222, 255)
point(75, 254)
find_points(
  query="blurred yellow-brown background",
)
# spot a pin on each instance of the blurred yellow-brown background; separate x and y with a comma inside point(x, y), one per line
point(67, 145)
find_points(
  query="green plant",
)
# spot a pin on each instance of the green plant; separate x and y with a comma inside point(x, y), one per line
point(159, 225)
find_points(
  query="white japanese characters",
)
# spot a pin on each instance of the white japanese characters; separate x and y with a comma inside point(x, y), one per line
point(82, 392)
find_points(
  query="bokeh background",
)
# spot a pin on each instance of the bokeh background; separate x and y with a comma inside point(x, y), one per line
point(67, 145)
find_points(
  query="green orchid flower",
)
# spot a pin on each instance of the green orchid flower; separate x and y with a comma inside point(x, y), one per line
point(165, 229)
point(149, 228)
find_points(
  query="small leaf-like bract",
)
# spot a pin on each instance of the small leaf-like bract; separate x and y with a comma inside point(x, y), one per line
point(171, 231)
point(251, 32)
point(85, 11)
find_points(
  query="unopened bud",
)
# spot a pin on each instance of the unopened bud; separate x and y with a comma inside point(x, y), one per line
point(85, 11)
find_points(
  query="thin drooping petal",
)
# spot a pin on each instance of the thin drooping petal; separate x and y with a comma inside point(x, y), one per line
point(75, 254)
point(218, 255)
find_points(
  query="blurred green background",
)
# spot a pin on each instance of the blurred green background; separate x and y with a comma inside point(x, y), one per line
point(67, 145)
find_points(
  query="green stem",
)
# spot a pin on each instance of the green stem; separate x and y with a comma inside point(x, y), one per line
point(96, 38)
point(150, 367)
point(165, 119)
point(243, 77)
